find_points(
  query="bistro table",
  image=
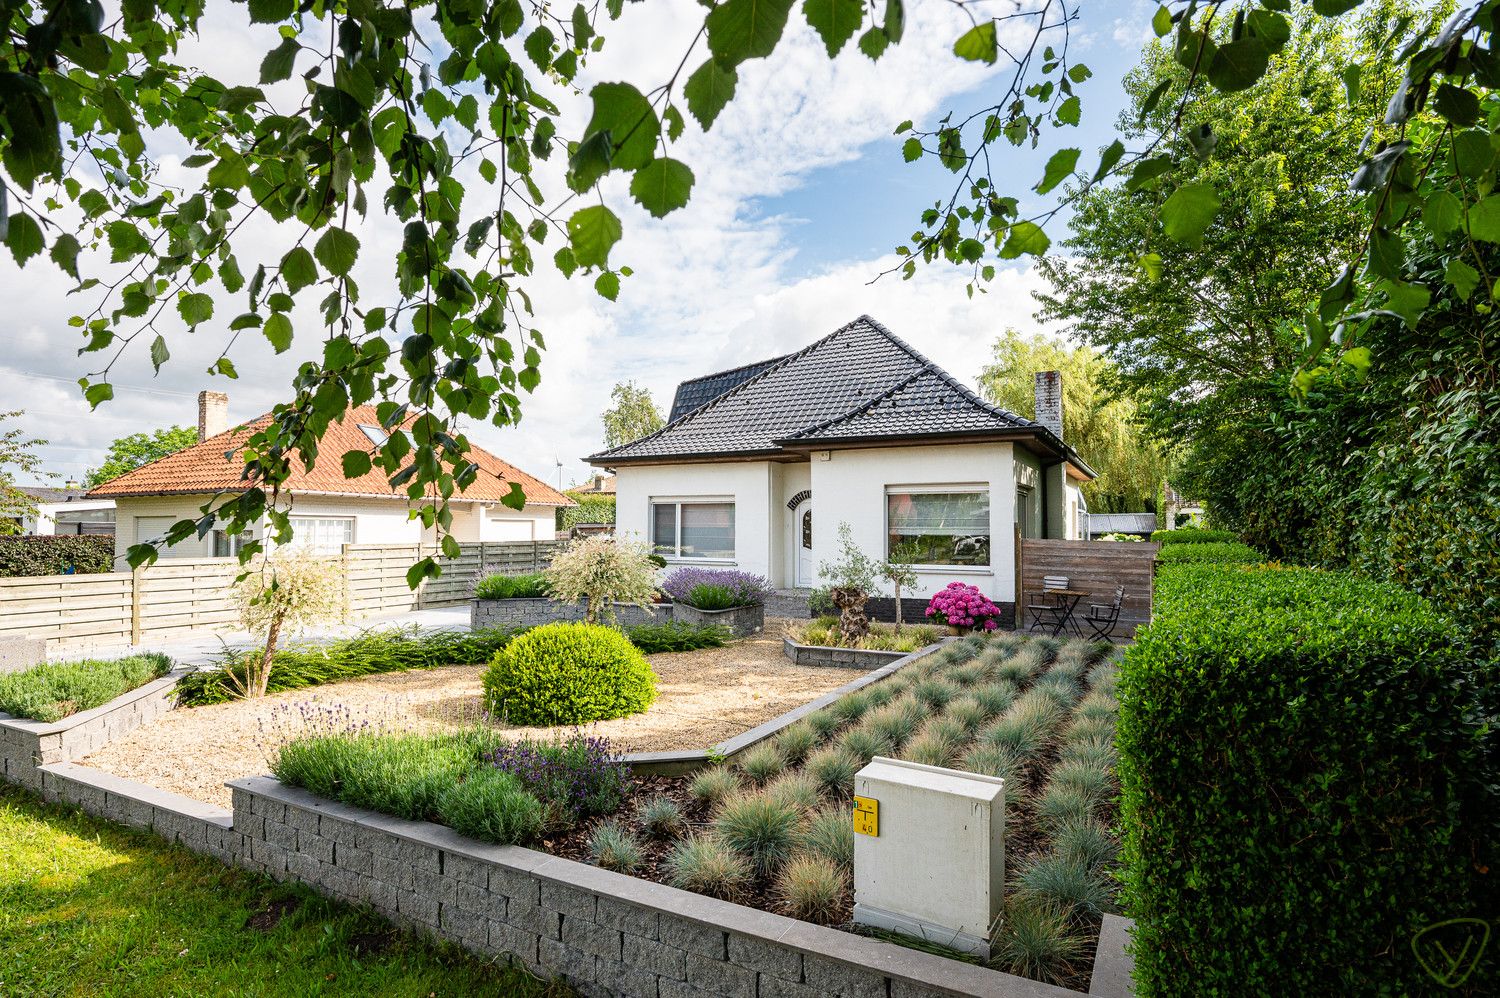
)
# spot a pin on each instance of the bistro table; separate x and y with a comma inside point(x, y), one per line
point(1067, 602)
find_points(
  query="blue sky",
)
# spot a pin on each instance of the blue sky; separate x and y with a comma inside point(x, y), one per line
point(801, 194)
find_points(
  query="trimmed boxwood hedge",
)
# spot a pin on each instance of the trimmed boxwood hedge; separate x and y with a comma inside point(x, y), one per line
point(1211, 552)
point(568, 673)
point(1308, 781)
point(52, 555)
point(1193, 535)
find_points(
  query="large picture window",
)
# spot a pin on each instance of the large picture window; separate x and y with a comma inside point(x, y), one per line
point(692, 529)
point(322, 534)
point(948, 527)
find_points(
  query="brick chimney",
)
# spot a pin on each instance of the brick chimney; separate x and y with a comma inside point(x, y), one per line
point(213, 414)
point(1049, 401)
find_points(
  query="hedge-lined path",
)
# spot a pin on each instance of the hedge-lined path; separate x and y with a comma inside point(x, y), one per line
point(705, 697)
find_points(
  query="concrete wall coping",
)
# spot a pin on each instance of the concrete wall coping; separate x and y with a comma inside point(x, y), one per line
point(859, 656)
point(152, 688)
point(690, 759)
point(145, 793)
point(914, 966)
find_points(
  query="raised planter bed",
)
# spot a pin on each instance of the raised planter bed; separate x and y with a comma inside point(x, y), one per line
point(535, 612)
point(843, 658)
point(742, 621)
point(27, 745)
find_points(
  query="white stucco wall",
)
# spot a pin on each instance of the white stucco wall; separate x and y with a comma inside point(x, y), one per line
point(749, 484)
point(850, 486)
point(139, 518)
point(501, 523)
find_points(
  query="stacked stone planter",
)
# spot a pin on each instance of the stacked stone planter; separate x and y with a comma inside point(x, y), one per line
point(742, 621)
point(510, 613)
point(841, 658)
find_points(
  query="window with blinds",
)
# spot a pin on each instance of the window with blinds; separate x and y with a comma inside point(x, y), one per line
point(950, 527)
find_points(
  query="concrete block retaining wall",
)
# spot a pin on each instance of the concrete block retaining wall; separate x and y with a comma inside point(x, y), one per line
point(26, 745)
point(842, 658)
point(606, 933)
point(742, 621)
point(511, 613)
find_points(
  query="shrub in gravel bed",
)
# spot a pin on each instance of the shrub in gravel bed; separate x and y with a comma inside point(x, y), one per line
point(675, 635)
point(55, 690)
point(568, 673)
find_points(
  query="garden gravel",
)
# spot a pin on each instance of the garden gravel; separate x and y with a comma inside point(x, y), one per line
point(704, 697)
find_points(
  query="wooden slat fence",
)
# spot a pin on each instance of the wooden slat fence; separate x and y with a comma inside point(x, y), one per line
point(179, 595)
point(1094, 566)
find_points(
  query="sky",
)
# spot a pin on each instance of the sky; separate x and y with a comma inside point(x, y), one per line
point(801, 196)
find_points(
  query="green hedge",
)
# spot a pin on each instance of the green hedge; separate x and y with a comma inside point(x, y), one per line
point(675, 635)
point(369, 653)
point(1212, 552)
point(55, 690)
point(568, 673)
point(49, 555)
point(530, 586)
point(1192, 535)
point(1308, 782)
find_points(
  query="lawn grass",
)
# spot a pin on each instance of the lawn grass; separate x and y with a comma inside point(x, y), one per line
point(89, 908)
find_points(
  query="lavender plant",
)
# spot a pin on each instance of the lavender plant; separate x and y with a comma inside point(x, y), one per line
point(745, 588)
point(576, 778)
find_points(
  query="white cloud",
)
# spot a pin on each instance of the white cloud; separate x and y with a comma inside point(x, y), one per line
point(711, 286)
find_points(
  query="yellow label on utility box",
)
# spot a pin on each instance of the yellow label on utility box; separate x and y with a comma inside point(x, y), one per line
point(866, 816)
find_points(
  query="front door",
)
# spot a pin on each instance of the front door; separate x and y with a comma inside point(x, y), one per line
point(804, 528)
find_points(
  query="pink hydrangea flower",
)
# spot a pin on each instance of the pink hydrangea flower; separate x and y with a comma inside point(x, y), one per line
point(961, 605)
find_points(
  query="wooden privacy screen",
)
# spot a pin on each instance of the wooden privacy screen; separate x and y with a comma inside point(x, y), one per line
point(1094, 566)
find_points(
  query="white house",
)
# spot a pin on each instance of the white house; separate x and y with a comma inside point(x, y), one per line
point(760, 465)
point(67, 510)
point(327, 509)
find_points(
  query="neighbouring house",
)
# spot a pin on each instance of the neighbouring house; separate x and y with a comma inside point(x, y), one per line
point(327, 510)
point(759, 465)
point(68, 511)
point(597, 485)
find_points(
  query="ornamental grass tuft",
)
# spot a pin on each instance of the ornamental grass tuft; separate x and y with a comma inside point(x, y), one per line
point(704, 864)
point(760, 827)
point(661, 817)
point(813, 889)
point(834, 770)
point(763, 763)
point(829, 833)
point(612, 846)
point(1035, 940)
point(712, 785)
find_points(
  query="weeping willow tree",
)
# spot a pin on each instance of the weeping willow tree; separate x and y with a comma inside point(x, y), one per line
point(1099, 418)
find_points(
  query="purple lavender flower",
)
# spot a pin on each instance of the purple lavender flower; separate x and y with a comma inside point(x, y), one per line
point(749, 589)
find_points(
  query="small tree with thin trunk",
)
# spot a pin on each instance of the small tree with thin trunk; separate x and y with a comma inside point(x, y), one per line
point(601, 571)
point(898, 571)
point(283, 592)
point(850, 580)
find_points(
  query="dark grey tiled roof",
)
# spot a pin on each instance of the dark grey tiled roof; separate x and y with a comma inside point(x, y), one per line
point(700, 391)
point(860, 381)
point(927, 402)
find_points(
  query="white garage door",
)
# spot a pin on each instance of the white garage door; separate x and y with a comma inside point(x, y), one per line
point(501, 528)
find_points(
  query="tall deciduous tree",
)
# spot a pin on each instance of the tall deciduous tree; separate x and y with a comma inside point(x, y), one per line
point(632, 414)
point(133, 450)
point(17, 456)
point(368, 108)
point(1100, 419)
point(1193, 324)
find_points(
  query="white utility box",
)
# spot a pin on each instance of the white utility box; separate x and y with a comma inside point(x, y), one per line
point(929, 854)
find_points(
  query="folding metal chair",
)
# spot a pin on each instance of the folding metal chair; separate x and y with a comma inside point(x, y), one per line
point(1102, 618)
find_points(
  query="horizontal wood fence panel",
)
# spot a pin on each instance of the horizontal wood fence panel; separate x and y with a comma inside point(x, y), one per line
point(175, 597)
point(1096, 567)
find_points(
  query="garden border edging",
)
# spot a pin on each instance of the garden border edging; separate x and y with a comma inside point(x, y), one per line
point(27, 745)
point(841, 658)
point(606, 933)
point(677, 763)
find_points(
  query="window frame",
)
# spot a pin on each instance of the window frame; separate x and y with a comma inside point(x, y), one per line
point(677, 502)
point(973, 488)
point(313, 548)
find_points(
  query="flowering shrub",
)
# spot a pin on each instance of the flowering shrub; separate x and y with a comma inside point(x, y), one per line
point(748, 589)
point(961, 605)
point(578, 777)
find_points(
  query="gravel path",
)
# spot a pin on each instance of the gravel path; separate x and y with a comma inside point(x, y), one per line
point(704, 697)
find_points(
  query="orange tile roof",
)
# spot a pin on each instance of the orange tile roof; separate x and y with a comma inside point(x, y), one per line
point(203, 467)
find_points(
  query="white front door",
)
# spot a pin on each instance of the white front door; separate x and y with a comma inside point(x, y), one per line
point(803, 528)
